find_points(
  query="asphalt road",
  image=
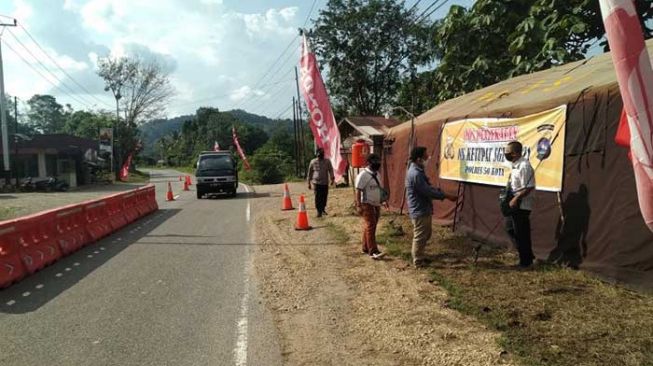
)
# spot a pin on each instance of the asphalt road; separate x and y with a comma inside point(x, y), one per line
point(174, 288)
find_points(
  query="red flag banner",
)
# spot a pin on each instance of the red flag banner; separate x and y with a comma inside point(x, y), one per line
point(322, 122)
point(124, 172)
point(635, 76)
point(241, 153)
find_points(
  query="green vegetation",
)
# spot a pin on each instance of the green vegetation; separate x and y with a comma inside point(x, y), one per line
point(382, 53)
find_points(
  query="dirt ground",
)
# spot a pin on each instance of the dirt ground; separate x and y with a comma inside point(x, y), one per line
point(336, 306)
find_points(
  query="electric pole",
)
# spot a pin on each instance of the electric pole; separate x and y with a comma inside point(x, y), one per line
point(3, 111)
point(300, 121)
point(16, 139)
point(295, 137)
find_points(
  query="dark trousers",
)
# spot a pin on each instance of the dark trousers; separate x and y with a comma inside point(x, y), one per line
point(321, 194)
point(518, 226)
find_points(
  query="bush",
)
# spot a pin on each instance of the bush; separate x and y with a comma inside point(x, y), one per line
point(269, 166)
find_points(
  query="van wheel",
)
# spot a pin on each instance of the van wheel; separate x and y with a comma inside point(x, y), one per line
point(233, 193)
point(199, 195)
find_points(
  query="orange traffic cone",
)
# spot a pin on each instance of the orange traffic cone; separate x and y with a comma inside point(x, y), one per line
point(286, 203)
point(302, 217)
point(186, 186)
point(190, 182)
point(169, 196)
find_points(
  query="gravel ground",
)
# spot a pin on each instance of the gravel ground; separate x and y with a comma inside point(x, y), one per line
point(14, 205)
point(335, 306)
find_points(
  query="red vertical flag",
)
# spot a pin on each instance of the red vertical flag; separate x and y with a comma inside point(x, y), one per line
point(241, 153)
point(124, 172)
point(322, 122)
point(635, 76)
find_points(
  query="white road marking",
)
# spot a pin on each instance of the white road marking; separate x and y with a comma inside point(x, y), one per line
point(240, 352)
point(102, 248)
point(39, 286)
point(175, 197)
point(26, 293)
point(59, 275)
point(76, 264)
point(90, 256)
point(97, 252)
point(248, 210)
point(68, 269)
point(11, 302)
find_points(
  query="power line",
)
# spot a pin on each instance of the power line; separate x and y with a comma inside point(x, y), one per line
point(265, 91)
point(43, 76)
point(275, 62)
point(436, 9)
point(284, 112)
point(85, 101)
point(273, 99)
point(282, 65)
point(309, 14)
point(61, 68)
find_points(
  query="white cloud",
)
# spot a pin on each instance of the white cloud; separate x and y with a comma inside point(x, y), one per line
point(273, 22)
point(212, 47)
point(22, 10)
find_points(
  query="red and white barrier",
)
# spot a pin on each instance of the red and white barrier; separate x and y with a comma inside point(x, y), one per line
point(30, 243)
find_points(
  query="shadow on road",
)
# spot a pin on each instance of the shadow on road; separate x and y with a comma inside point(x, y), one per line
point(40, 288)
point(303, 244)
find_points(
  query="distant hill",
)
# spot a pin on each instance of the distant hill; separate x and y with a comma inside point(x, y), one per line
point(153, 130)
point(268, 125)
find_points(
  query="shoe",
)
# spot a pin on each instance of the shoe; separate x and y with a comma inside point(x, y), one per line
point(319, 214)
point(420, 263)
point(325, 213)
point(364, 251)
point(377, 256)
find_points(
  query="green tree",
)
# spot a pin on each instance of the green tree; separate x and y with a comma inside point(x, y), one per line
point(143, 90)
point(44, 114)
point(368, 47)
point(87, 124)
point(269, 165)
point(495, 40)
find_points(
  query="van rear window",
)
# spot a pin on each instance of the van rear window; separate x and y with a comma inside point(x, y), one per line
point(216, 162)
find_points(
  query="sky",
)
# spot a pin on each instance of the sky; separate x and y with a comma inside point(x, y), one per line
point(226, 54)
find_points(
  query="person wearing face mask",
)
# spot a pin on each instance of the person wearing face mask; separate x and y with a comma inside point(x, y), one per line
point(520, 183)
point(420, 194)
point(370, 195)
point(320, 173)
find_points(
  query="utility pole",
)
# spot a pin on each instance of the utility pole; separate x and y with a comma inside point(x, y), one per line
point(301, 125)
point(295, 137)
point(3, 111)
point(16, 139)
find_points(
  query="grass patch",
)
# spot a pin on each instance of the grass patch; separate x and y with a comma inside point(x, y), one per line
point(138, 176)
point(7, 213)
point(549, 316)
point(338, 232)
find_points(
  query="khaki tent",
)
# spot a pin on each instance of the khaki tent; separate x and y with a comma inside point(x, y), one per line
point(603, 230)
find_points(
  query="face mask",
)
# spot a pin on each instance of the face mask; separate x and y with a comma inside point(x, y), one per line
point(375, 166)
point(508, 156)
